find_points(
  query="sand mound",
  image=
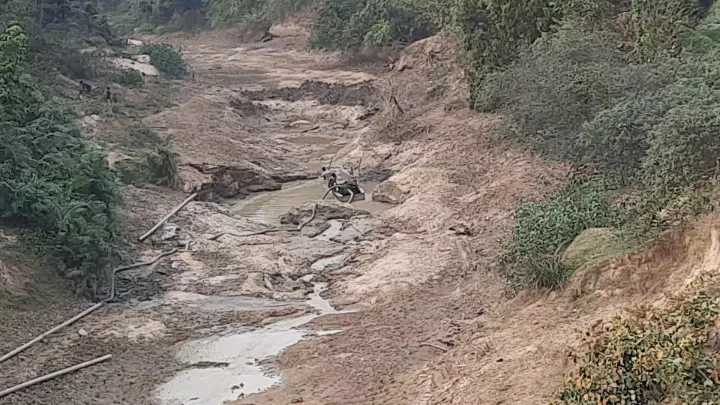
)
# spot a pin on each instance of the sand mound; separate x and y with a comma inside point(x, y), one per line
point(422, 54)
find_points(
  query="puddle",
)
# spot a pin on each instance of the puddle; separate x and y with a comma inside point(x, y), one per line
point(268, 207)
point(242, 352)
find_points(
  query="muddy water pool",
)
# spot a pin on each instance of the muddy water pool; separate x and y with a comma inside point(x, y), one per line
point(267, 208)
point(242, 351)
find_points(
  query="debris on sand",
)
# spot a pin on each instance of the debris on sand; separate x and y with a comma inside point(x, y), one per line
point(232, 182)
point(388, 192)
point(324, 93)
point(247, 108)
point(324, 212)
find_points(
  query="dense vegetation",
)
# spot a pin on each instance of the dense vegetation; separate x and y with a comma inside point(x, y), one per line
point(620, 90)
point(628, 90)
point(543, 228)
point(653, 356)
point(53, 183)
point(340, 24)
point(56, 31)
point(167, 59)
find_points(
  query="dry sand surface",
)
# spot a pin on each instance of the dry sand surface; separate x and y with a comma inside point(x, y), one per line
point(424, 318)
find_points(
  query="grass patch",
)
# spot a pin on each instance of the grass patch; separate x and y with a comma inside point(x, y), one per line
point(543, 229)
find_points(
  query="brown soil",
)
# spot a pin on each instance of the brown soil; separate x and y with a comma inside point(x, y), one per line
point(324, 93)
point(433, 323)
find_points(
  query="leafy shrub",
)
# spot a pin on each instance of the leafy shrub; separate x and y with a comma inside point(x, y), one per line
point(683, 148)
point(52, 181)
point(545, 227)
point(494, 32)
point(142, 136)
point(130, 78)
point(660, 25)
point(224, 13)
point(653, 356)
point(346, 24)
point(166, 59)
point(162, 165)
point(615, 139)
point(591, 12)
point(561, 82)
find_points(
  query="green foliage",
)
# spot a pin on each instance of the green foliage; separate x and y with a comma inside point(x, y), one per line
point(162, 165)
point(543, 228)
point(224, 13)
point(52, 181)
point(130, 78)
point(166, 59)
point(577, 95)
point(348, 24)
point(660, 24)
point(57, 31)
point(615, 139)
point(589, 11)
point(683, 147)
point(653, 356)
point(559, 84)
point(143, 137)
point(494, 32)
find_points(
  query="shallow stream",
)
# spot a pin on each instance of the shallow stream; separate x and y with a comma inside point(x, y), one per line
point(242, 351)
point(268, 207)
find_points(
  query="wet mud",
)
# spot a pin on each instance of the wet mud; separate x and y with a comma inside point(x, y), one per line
point(325, 93)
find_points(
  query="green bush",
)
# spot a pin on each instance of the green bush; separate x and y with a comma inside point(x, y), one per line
point(166, 58)
point(162, 164)
point(130, 78)
point(653, 356)
point(559, 84)
point(615, 139)
point(543, 228)
point(224, 13)
point(684, 147)
point(592, 12)
point(494, 32)
point(661, 24)
point(346, 24)
point(52, 180)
